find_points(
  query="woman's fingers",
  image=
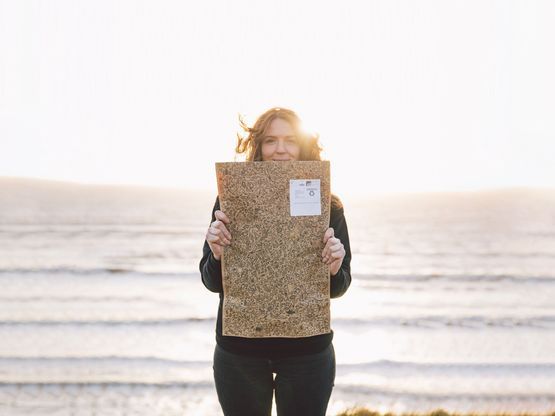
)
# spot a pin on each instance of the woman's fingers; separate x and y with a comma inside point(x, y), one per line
point(337, 253)
point(334, 256)
point(218, 229)
point(219, 225)
point(218, 236)
point(328, 234)
point(221, 216)
point(333, 251)
point(330, 242)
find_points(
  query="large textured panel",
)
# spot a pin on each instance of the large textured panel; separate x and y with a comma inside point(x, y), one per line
point(274, 281)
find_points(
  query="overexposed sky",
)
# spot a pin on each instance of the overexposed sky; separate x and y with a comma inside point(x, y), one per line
point(407, 95)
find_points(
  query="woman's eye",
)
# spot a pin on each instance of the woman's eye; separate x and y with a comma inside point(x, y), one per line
point(292, 141)
point(269, 140)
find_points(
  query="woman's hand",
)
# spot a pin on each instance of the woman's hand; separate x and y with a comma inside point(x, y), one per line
point(218, 235)
point(333, 252)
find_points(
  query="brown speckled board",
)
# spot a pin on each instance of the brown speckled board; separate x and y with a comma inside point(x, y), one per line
point(274, 281)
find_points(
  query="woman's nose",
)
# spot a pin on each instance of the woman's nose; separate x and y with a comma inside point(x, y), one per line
point(281, 146)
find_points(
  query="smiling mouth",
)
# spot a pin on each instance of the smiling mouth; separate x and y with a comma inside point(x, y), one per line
point(281, 160)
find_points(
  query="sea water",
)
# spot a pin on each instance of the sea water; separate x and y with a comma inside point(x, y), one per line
point(103, 312)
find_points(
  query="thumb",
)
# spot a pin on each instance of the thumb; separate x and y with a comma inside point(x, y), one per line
point(328, 234)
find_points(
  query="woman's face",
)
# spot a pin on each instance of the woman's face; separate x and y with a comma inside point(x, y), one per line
point(280, 142)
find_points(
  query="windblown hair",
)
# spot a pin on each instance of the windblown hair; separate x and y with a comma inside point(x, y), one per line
point(251, 143)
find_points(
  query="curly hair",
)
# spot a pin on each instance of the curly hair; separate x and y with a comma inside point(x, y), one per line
point(251, 144)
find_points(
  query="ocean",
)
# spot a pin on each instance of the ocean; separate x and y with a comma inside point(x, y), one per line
point(103, 312)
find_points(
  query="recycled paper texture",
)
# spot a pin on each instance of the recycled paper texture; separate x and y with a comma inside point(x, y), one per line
point(275, 283)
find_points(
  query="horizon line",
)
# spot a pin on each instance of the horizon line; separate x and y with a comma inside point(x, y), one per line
point(195, 189)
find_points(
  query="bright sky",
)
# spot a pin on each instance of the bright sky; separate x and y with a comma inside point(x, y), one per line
point(407, 95)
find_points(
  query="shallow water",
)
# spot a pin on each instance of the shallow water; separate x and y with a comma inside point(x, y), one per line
point(102, 310)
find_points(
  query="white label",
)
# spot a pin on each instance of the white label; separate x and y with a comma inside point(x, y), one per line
point(304, 196)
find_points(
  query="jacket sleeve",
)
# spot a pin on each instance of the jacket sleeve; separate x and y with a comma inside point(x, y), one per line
point(342, 280)
point(210, 268)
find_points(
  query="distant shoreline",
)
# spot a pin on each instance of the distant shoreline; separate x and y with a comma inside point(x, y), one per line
point(44, 184)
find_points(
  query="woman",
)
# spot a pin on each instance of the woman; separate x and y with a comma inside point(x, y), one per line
point(304, 367)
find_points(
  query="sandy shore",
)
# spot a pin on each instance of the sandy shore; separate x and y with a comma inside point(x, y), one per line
point(58, 399)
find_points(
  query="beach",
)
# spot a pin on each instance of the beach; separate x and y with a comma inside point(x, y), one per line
point(103, 311)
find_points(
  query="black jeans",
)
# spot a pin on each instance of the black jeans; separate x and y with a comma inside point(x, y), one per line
point(302, 384)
